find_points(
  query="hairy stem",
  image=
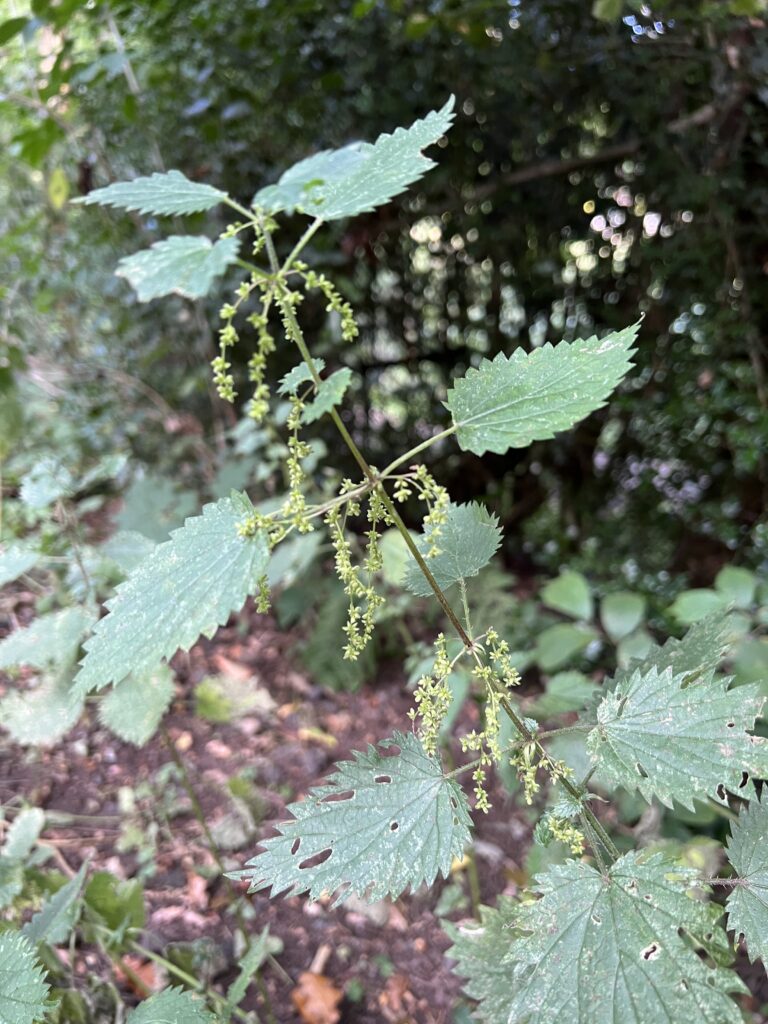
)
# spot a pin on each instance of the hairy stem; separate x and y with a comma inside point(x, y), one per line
point(296, 335)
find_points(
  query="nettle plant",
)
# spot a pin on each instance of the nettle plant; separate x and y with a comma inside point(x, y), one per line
point(612, 934)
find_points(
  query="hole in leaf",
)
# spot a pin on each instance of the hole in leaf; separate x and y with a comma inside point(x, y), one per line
point(455, 820)
point(651, 952)
point(744, 780)
point(394, 827)
point(640, 770)
point(684, 984)
point(383, 778)
point(296, 845)
point(721, 791)
point(454, 802)
point(334, 798)
point(730, 725)
point(647, 897)
point(316, 859)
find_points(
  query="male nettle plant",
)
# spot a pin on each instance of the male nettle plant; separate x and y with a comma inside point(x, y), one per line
point(611, 935)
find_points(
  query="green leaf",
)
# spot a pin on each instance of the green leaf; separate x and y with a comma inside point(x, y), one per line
point(329, 394)
point(613, 948)
point(569, 594)
point(46, 482)
point(567, 691)
point(559, 644)
point(387, 822)
point(299, 375)
point(634, 647)
point(40, 717)
point(50, 640)
point(678, 735)
point(187, 586)
point(23, 988)
point(127, 548)
point(15, 560)
point(172, 1006)
point(621, 613)
point(134, 708)
point(750, 663)
point(468, 540)
point(344, 182)
point(23, 834)
point(479, 949)
point(153, 507)
point(120, 904)
point(58, 916)
point(264, 946)
point(693, 605)
point(607, 10)
point(182, 265)
point(12, 27)
point(736, 585)
point(747, 904)
point(168, 193)
point(514, 400)
point(700, 651)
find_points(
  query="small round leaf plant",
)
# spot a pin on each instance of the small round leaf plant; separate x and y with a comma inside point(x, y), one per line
point(611, 935)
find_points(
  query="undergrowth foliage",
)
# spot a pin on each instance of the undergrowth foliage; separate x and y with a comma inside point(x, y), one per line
point(613, 934)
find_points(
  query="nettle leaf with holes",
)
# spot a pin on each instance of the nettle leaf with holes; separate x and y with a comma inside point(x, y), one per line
point(614, 934)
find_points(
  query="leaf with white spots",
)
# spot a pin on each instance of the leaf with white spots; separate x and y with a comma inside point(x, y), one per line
point(15, 560)
point(23, 988)
point(134, 708)
point(468, 540)
point(514, 400)
point(361, 176)
point(381, 823)
point(676, 736)
point(747, 904)
point(168, 193)
point(41, 716)
point(186, 587)
point(619, 948)
point(182, 265)
point(51, 639)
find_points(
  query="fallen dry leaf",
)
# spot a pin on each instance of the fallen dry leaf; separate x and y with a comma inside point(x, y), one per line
point(317, 999)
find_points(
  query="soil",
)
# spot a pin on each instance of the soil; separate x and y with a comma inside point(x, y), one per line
point(385, 962)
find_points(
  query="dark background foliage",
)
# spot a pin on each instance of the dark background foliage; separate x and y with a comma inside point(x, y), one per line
point(599, 168)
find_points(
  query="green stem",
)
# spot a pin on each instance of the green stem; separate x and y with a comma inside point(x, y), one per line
point(296, 335)
point(248, 214)
point(465, 605)
point(313, 227)
point(419, 448)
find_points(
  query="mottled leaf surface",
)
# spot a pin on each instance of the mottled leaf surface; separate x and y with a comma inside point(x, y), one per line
point(182, 264)
point(676, 736)
point(186, 587)
point(168, 193)
point(747, 903)
point(51, 639)
point(23, 988)
point(600, 949)
point(329, 394)
point(361, 176)
point(510, 401)
point(172, 1006)
point(134, 707)
point(481, 950)
point(388, 823)
point(468, 540)
point(15, 560)
point(42, 715)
